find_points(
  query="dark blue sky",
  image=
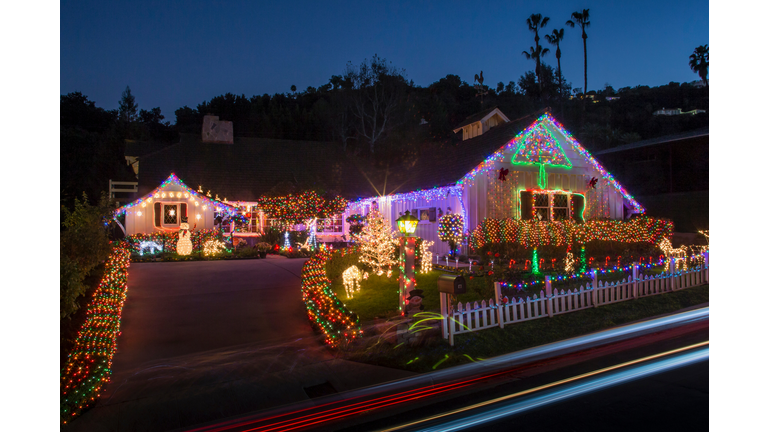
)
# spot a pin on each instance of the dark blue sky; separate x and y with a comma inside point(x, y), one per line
point(186, 52)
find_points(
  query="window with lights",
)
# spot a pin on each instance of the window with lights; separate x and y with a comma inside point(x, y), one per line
point(547, 205)
point(332, 225)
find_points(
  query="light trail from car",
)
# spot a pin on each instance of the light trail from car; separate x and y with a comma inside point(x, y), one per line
point(638, 368)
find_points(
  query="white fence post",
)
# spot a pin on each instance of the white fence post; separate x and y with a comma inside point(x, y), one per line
point(445, 307)
point(594, 288)
point(672, 271)
point(634, 280)
point(706, 266)
point(500, 313)
point(548, 288)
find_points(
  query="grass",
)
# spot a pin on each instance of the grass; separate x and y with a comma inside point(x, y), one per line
point(488, 343)
point(378, 295)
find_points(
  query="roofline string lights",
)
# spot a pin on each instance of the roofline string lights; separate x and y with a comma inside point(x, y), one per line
point(187, 194)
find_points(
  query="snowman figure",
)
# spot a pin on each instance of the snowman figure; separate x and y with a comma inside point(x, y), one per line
point(184, 246)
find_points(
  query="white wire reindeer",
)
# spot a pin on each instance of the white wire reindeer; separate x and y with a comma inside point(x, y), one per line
point(670, 252)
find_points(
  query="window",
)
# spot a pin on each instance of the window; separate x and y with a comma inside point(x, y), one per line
point(549, 206)
point(559, 206)
point(426, 215)
point(330, 225)
point(541, 207)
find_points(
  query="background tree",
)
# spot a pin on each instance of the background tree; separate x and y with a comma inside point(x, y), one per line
point(378, 98)
point(699, 62)
point(555, 38)
point(582, 19)
point(535, 22)
point(536, 54)
point(128, 107)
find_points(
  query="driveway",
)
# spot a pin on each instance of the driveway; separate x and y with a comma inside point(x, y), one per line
point(209, 339)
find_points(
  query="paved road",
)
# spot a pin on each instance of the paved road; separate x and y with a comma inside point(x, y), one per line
point(205, 340)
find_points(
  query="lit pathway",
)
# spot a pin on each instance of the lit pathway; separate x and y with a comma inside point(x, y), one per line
point(205, 340)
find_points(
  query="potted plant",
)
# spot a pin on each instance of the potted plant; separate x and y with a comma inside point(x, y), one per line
point(263, 248)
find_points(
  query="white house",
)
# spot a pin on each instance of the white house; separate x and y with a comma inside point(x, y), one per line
point(168, 205)
point(539, 172)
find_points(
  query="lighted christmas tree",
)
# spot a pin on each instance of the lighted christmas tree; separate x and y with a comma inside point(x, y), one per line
point(451, 230)
point(377, 244)
point(539, 147)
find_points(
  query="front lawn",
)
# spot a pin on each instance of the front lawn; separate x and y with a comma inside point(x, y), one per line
point(378, 295)
point(483, 344)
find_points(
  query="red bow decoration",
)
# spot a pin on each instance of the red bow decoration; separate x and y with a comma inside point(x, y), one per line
point(503, 174)
point(593, 183)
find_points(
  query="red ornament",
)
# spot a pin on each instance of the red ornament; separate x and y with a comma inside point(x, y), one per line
point(503, 174)
point(593, 183)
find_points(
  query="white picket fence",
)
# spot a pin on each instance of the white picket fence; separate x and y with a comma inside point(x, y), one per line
point(465, 318)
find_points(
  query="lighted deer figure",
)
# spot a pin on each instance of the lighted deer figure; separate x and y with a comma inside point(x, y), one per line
point(352, 277)
point(670, 252)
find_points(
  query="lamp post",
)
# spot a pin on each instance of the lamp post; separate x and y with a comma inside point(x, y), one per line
point(407, 226)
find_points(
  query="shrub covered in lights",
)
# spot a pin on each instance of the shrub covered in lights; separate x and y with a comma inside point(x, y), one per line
point(325, 310)
point(88, 367)
point(451, 229)
point(531, 234)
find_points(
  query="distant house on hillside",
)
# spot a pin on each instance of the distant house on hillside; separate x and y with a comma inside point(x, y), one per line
point(478, 124)
point(677, 111)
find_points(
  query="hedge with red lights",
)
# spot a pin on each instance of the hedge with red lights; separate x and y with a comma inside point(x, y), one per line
point(324, 309)
point(530, 233)
point(171, 238)
point(88, 365)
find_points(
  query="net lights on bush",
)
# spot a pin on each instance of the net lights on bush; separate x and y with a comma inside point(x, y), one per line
point(88, 366)
point(529, 233)
point(451, 229)
point(324, 309)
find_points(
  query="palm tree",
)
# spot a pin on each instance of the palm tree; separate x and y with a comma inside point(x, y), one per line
point(554, 39)
point(536, 54)
point(699, 62)
point(535, 22)
point(582, 19)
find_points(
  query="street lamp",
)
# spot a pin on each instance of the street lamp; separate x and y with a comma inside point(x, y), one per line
point(407, 224)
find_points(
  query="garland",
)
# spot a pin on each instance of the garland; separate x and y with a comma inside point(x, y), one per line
point(533, 234)
point(88, 365)
point(296, 209)
point(323, 307)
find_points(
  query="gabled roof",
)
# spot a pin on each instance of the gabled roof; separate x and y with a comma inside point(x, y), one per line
point(481, 116)
point(512, 145)
point(446, 164)
point(656, 141)
point(189, 195)
point(252, 167)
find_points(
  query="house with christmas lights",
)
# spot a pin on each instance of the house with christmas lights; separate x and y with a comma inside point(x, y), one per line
point(530, 168)
point(170, 204)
